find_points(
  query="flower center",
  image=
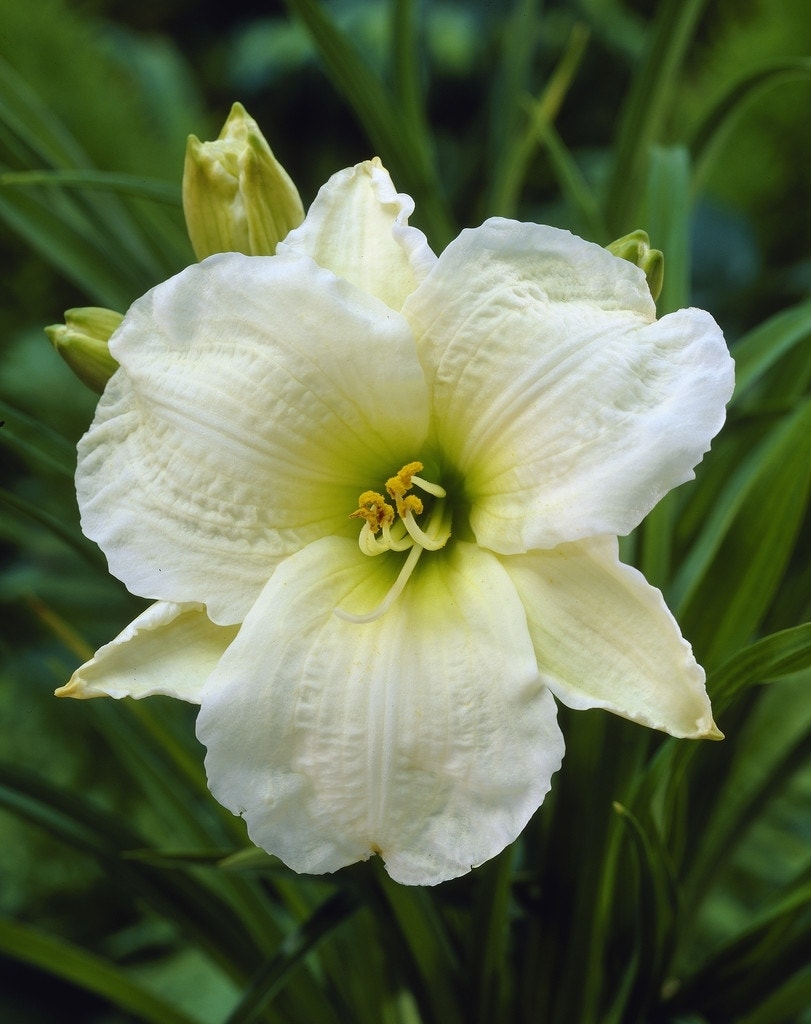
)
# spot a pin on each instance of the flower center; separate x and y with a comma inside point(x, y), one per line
point(393, 527)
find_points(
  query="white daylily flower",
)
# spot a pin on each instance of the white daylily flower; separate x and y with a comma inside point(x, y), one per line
point(376, 496)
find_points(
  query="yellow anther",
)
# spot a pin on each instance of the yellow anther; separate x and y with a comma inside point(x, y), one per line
point(379, 515)
point(411, 503)
point(374, 508)
point(398, 485)
point(406, 535)
point(396, 489)
point(408, 471)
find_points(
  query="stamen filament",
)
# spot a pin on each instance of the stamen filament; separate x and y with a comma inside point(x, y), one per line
point(396, 589)
point(400, 543)
point(439, 532)
point(381, 532)
point(426, 485)
point(369, 544)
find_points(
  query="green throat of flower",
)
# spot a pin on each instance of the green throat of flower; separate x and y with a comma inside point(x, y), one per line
point(392, 526)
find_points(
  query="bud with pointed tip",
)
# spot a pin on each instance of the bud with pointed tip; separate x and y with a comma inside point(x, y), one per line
point(237, 197)
point(82, 341)
point(635, 248)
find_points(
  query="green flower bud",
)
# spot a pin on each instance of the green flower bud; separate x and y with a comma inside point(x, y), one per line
point(237, 197)
point(82, 342)
point(635, 248)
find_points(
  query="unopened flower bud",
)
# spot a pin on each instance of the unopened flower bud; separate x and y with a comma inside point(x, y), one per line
point(635, 248)
point(82, 341)
point(237, 197)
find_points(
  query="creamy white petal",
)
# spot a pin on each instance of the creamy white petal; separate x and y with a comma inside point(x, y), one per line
point(257, 397)
point(424, 736)
point(358, 228)
point(604, 638)
point(565, 408)
point(169, 649)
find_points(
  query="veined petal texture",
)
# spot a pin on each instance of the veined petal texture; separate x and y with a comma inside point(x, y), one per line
point(604, 638)
point(565, 407)
point(257, 397)
point(169, 649)
point(358, 227)
point(425, 736)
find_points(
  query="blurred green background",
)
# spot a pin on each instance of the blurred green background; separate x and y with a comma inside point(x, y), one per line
point(130, 82)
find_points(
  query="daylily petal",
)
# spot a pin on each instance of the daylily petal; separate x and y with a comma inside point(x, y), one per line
point(256, 397)
point(169, 649)
point(357, 227)
point(565, 408)
point(604, 638)
point(424, 736)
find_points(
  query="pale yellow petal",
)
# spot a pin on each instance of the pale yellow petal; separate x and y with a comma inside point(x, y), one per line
point(257, 397)
point(425, 736)
point(565, 407)
point(169, 649)
point(604, 638)
point(358, 228)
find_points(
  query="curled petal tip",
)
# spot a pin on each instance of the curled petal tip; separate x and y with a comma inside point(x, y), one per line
point(76, 688)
